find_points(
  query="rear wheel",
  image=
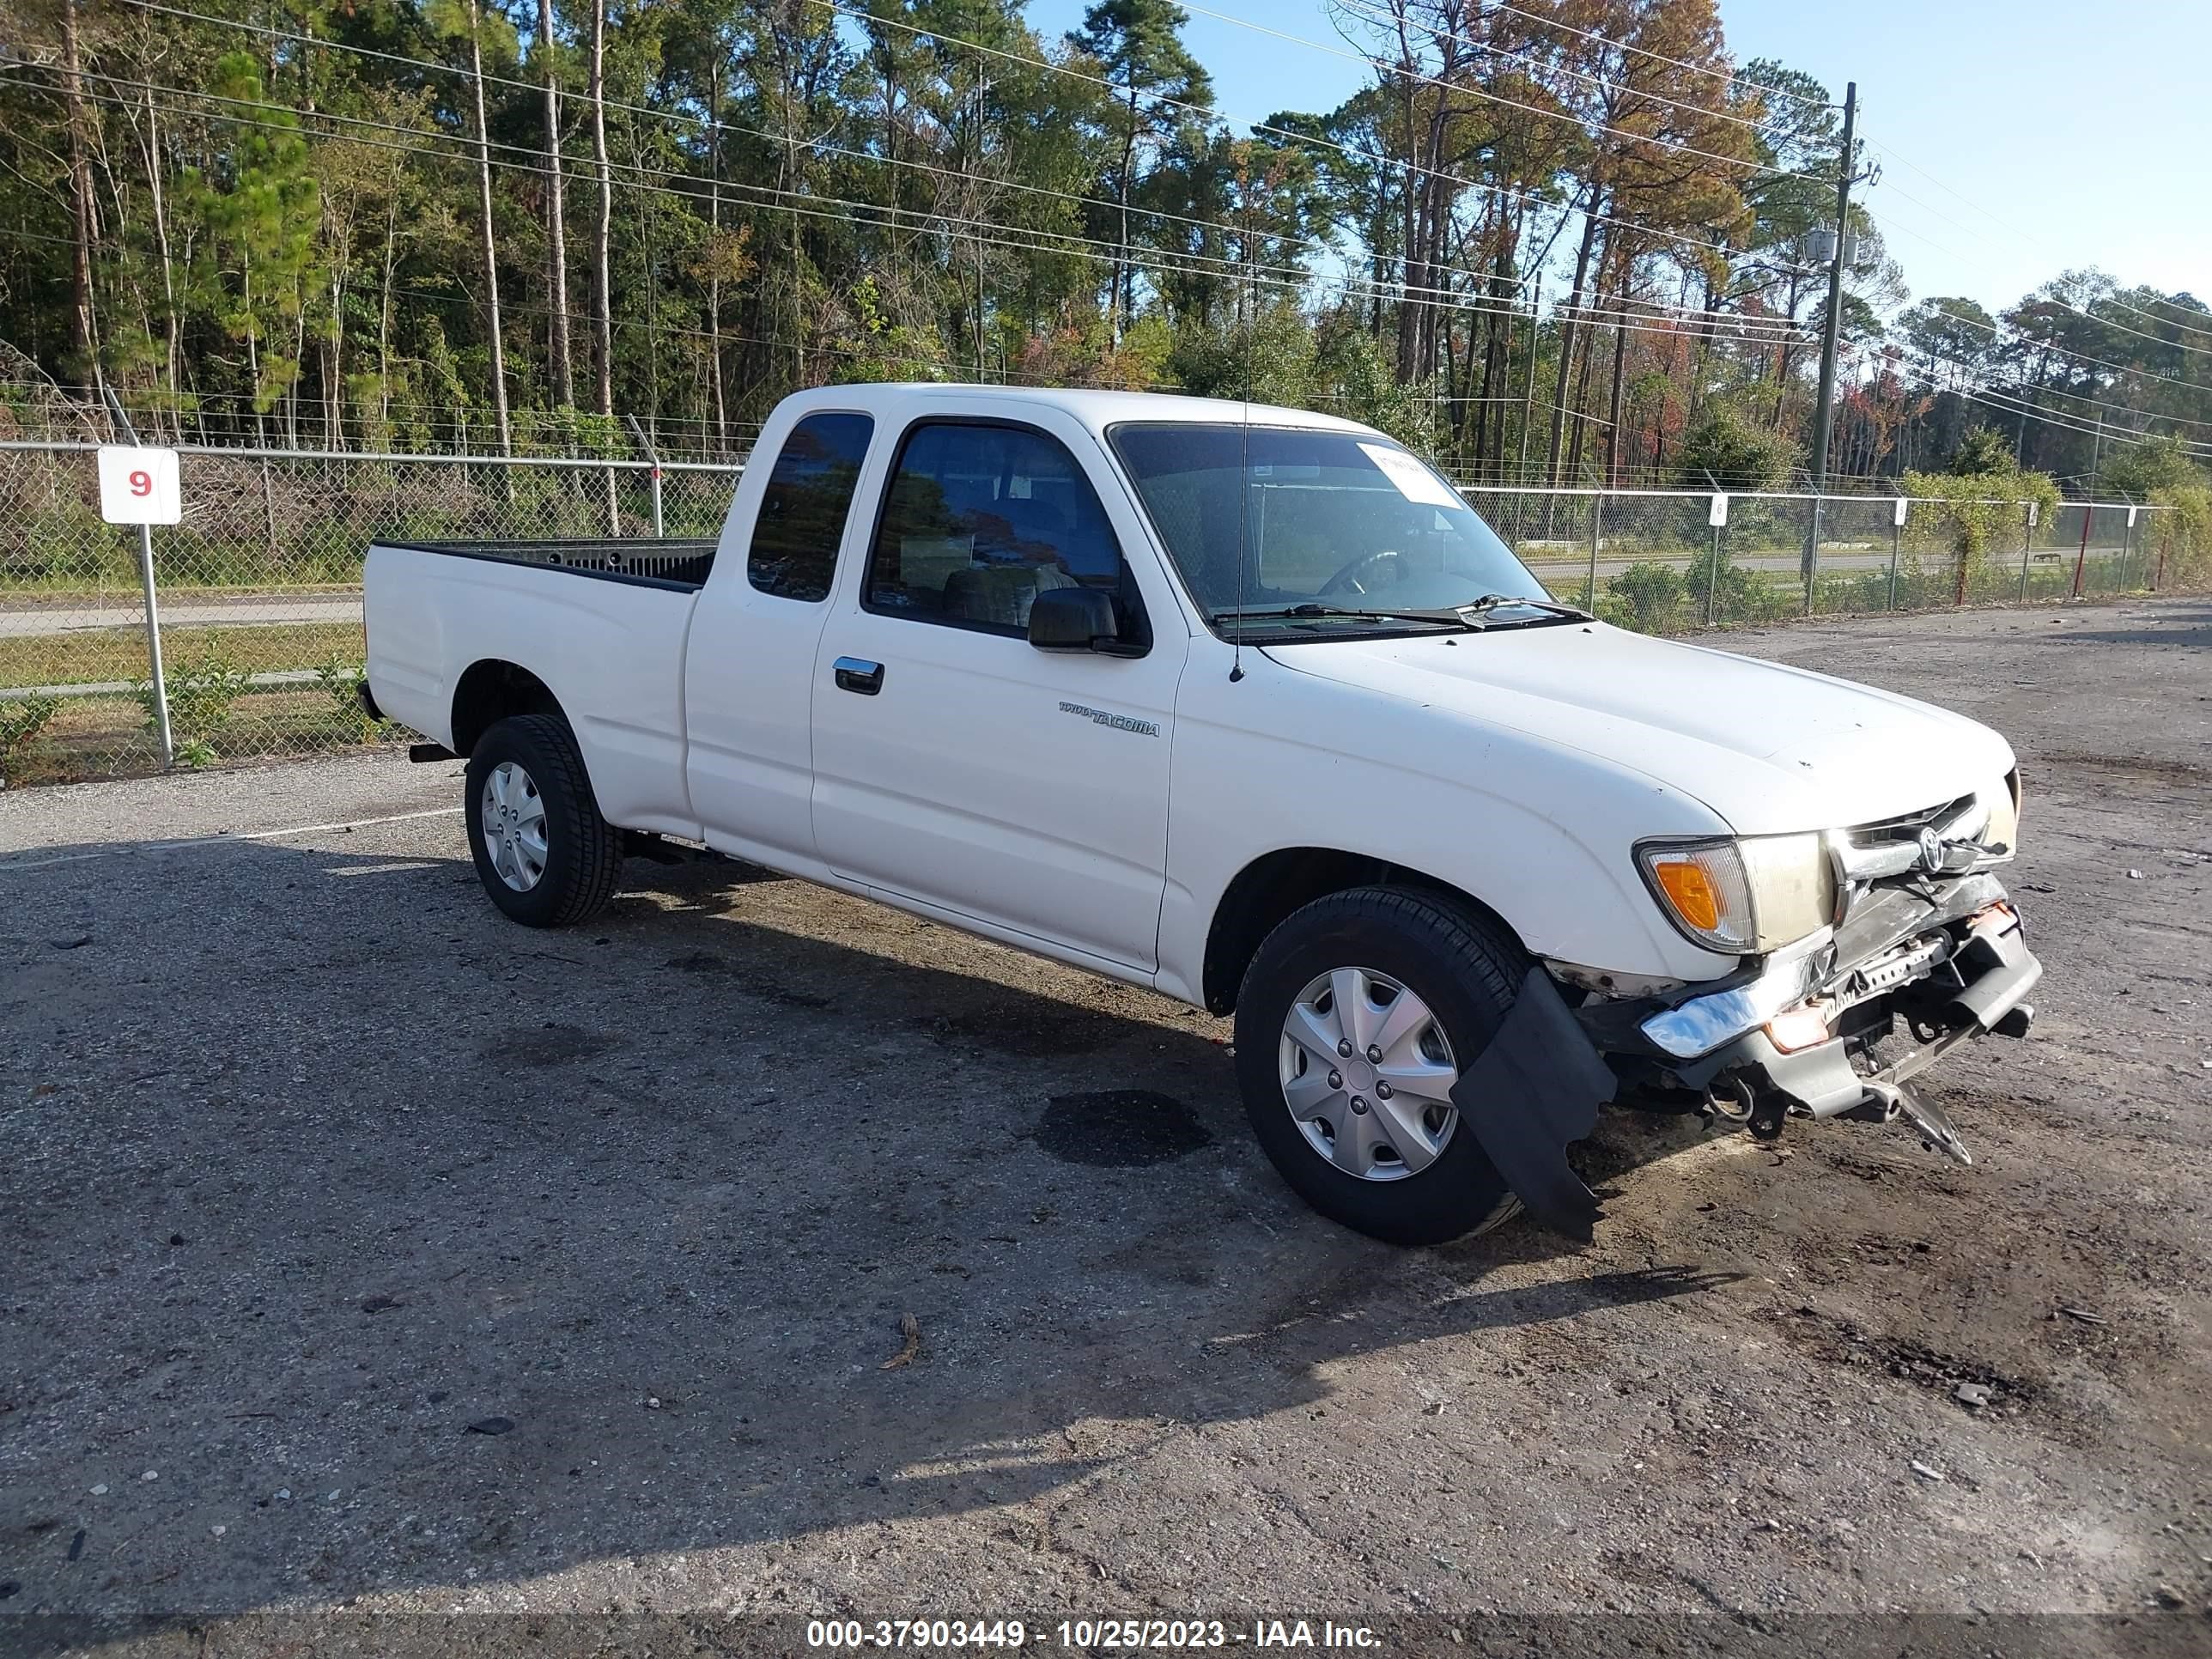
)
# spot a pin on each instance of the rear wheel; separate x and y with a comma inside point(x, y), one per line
point(543, 852)
point(1355, 1020)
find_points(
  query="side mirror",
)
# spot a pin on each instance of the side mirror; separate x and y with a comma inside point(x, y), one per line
point(1074, 619)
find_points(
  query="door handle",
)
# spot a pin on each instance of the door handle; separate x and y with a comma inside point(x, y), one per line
point(855, 675)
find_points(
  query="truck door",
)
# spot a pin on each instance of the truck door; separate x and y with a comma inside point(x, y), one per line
point(751, 653)
point(958, 765)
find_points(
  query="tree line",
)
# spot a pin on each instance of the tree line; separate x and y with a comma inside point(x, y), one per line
point(1574, 241)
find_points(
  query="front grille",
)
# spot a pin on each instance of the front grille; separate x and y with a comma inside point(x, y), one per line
point(1908, 827)
point(1890, 848)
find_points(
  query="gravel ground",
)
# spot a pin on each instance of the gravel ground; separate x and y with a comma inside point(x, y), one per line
point(367, 1256)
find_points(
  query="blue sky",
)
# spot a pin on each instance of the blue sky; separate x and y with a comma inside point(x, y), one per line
point(2046, 136)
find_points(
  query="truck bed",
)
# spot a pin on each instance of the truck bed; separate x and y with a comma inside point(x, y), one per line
point(653, 561)
point(609, 646)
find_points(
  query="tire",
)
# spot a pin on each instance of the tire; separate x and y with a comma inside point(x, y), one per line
point(1464, 977)
point(567, 873)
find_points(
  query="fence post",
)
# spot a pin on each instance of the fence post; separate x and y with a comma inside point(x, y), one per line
point(2082, 558)
point(157, 679)
point(1597, 515)
point(645, 444)
point(268, 506)
point(1896, 544)
point(2027, 549)
point(1812, 554)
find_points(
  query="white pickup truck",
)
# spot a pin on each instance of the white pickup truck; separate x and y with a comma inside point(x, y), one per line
point(1244, 704)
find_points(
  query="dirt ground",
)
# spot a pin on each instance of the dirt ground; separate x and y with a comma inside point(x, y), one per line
point(363, 1256)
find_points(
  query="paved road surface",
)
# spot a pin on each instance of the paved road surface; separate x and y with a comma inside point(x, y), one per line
point(1553, 562)
point(35, 622)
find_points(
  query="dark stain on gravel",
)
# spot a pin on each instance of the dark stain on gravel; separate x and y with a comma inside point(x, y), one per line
point(705, 964)
point(1840, 1342)
point(1024, 1035)
point(1121, 1129)
point(547, 1045)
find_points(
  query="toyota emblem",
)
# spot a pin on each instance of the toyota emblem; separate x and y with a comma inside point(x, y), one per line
point(1931, 849)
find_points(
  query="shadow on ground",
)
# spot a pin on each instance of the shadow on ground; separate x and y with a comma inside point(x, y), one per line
point(362, 1240)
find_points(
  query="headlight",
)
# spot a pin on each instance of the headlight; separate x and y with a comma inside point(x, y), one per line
point(1754, 895)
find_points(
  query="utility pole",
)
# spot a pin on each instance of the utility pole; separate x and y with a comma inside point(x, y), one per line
point(1824, 413)
point(1529, 393)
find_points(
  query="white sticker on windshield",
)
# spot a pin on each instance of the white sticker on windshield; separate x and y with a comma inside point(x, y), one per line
point(1414, 481)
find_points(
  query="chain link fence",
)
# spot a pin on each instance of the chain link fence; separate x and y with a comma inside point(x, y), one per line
point(1654, 561)
point(258, 590)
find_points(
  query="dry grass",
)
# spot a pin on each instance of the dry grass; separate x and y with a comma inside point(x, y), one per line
point(99, 656)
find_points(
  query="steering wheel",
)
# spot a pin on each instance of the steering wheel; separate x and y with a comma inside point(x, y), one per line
point(1349, 575)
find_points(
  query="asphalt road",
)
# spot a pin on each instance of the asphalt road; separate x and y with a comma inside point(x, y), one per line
point(256, 610)
point(23, 621)
point(368, 1258)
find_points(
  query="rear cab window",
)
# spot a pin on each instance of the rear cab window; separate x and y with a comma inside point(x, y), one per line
point(802, 514)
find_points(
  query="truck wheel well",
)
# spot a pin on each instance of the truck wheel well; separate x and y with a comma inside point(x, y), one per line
point(1271, 886)
point(490, 692)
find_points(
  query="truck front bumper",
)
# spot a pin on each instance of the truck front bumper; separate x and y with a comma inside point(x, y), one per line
point(1950, 958)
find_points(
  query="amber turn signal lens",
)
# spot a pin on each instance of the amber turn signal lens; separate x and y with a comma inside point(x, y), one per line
point(1690, 890)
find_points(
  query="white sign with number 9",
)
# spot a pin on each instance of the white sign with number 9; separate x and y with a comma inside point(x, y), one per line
point(139, 485)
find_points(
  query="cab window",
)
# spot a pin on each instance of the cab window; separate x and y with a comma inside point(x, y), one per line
point(802, 513)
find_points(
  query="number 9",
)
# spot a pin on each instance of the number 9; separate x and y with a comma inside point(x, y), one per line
point(142, 483)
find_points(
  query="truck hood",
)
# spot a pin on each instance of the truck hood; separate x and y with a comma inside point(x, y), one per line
point(1771, 749)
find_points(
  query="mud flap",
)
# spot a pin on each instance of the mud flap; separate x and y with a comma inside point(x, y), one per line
point(1534, 1090)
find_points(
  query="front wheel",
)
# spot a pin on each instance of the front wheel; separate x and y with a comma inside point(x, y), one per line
point(1355, 1020)
point(543, 852)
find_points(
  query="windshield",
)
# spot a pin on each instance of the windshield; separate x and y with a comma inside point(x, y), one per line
point(1333, 522)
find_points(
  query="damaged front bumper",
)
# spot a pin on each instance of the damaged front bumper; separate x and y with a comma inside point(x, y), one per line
point(1947, 958)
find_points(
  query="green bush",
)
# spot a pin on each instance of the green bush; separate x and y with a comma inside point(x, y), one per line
point(66, 543)
point(21, 723)
point(1975, 517)
point(342, 679)
point(1647, 597)
point(1725, 451)
point(2183, 533)
point(202, 690)
point(1723, 591)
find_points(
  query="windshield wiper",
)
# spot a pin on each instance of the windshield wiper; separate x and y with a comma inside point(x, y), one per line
point(1268, 613)
point(1473, 615)
point(1490, 602)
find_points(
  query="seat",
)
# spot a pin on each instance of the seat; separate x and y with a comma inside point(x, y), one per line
point(1000, 594)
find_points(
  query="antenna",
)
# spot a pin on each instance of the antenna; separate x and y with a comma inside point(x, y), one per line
point(1243, 465)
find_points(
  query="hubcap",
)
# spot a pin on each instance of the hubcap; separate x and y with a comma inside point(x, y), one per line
point(1367, 1073)
point(515, 826)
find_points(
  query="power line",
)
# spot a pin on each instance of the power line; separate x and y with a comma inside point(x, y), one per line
point(1742, 325)
point(2023, 236)
point(1575, 121)
point(2106, 322)
point(694, 189)
point(819, 143)
point(1371, 13)
point(2019, 337)
point(841, 209)
point(1208, 113)
point(1675, 62)
point(1998, 401)
point(1364, 8)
